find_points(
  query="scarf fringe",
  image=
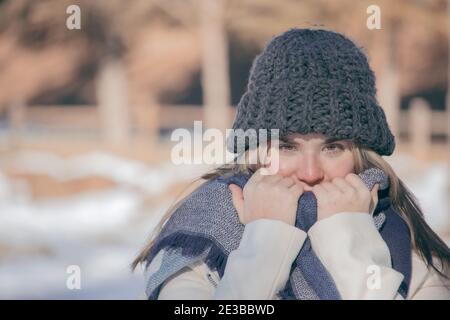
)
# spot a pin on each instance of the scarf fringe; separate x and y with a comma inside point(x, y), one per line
point(192, 245)
point(204, 247)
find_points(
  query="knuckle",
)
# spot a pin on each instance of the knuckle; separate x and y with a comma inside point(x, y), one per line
point(337, 179)
point(350, 193)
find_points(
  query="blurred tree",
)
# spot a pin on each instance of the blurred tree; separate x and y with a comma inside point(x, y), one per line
point(407, 53)
point(160, 43)
point(35, 42)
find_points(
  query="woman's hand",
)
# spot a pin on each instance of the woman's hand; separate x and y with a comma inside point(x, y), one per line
point(267, 197)
point(348, 194)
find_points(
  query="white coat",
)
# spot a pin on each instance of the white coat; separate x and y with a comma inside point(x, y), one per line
point(348, 245)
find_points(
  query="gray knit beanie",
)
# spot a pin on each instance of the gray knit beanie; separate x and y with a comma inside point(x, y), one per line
point(313, 81)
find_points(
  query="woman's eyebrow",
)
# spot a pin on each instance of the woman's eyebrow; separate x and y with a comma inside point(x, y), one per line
point(287, 140)
point(292, 140)
point(331, 140)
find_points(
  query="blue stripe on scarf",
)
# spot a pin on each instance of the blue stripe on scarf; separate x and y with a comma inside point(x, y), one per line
point(313, 274)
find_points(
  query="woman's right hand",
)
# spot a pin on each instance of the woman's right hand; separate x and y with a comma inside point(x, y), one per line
point(267, 197)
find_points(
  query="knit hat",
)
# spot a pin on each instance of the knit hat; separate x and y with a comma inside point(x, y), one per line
point(313, 81)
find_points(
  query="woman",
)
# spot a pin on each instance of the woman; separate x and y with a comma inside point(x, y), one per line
point(331, 220)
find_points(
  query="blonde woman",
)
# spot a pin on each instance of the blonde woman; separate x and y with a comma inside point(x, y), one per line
point(331, 221)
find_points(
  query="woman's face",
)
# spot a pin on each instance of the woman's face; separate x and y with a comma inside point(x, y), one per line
point(313, 158)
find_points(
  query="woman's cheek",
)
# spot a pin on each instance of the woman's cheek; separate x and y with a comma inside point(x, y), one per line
point(286, 166)
point(340, 168)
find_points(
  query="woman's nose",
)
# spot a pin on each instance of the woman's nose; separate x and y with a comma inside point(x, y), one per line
point(310, 170)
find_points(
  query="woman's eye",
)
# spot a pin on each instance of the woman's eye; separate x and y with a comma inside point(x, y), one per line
point(288, 147)
point(333, 148)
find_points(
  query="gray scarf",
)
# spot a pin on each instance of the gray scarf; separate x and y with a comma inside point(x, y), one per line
point(205, 227)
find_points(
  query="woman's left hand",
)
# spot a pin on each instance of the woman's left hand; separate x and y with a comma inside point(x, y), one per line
point(348, 194)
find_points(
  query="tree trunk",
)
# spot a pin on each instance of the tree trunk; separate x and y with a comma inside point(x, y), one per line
point(112, 103)
point(215, 75)
point(389, 95)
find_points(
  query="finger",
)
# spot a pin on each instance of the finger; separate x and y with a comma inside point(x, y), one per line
point(272, 179)
point(356, 182)
point(375, 189)
point(319, 191)
point(238, 199)
point(287, 182)
point(297, 189)
point(259, 176)
point(256, 177)
point(342, 184)
point(306, 186)
point(374, 195)
point(329, 187)
point(324, 186)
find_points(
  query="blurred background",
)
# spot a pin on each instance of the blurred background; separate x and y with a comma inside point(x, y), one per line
point(86, 116)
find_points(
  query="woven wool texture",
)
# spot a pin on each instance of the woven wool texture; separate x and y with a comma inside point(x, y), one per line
point(313, 81)
point(206, 228)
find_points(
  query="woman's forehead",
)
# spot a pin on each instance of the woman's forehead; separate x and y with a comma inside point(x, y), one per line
point(311, 138)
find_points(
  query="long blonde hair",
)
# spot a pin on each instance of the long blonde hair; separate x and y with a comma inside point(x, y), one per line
point(424, 240)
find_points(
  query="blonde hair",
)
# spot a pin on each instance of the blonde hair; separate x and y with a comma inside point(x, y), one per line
point(424, 240)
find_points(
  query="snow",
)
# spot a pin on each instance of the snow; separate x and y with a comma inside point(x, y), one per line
point(430, 185)
point(122, 171)
point(432, 191)
point(102, 231)
point(99, 231)
point(94, 231)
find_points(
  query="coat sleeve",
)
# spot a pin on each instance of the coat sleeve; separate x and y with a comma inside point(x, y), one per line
point(356, 256)
point(257, 269)
point(348, 245)
point(188, 284)
point(436, 291)
point(427, 283)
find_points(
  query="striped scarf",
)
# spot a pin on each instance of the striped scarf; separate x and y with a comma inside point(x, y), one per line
point(206, 227)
